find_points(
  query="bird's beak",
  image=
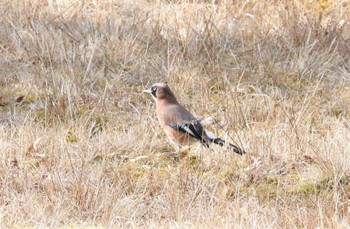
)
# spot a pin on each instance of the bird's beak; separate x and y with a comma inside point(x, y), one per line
point(149, 91)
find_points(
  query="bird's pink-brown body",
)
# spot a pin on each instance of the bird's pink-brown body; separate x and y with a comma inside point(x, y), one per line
point(178, 123)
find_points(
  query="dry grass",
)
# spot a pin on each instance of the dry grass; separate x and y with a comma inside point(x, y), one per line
point(80, 145)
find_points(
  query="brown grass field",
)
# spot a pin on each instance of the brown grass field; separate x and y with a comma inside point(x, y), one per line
point(80, 145)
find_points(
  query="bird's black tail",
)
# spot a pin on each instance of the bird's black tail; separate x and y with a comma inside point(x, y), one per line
point(235, 149)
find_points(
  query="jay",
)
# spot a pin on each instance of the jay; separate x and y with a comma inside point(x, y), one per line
point(178, 123)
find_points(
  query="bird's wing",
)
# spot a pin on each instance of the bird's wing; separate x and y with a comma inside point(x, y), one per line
point(193, 129)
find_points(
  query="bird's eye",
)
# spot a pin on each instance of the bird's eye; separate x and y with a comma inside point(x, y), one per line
point(153, 88)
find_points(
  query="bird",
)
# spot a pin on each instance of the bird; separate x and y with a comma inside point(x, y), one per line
point(181, 127)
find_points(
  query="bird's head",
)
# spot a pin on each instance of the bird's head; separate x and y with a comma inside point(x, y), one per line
point(161, 91)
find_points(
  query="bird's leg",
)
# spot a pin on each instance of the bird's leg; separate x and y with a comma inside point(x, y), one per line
point(183, 152)
point(180, 151)
point(175, 145)
point(199, 148)
point(173, 155)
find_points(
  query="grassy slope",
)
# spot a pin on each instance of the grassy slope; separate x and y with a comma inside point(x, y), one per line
point(80, 145)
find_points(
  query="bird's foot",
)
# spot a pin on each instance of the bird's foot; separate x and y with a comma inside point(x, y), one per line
point(177, 155)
